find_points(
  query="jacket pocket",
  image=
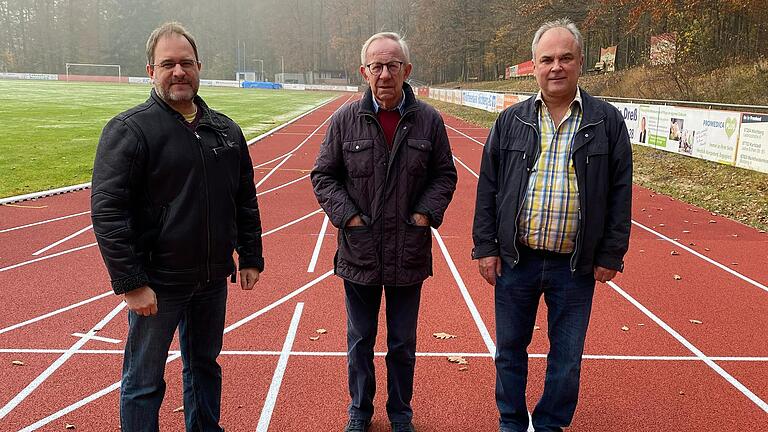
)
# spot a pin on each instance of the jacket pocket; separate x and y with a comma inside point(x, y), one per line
point(418, 156)
point(358, 157)
point(357, 247)
point(417, 246)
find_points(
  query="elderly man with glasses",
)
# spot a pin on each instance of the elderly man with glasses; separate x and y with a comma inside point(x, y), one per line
point(384, 176)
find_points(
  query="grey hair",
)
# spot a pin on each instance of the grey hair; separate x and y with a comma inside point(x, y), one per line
point(386, 35)
point(565, 23)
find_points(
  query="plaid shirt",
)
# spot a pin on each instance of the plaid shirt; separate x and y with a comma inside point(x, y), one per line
point(549, 218)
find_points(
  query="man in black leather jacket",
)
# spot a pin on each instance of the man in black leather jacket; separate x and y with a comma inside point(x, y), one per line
point(552, 216)
point(173, 196)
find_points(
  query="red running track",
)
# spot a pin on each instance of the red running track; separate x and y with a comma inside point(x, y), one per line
point(664, 373)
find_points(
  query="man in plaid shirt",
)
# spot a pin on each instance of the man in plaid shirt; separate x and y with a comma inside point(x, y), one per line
point(552, 217)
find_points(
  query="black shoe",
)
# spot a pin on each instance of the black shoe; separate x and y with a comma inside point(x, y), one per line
point(403, 427)
point(357, 425)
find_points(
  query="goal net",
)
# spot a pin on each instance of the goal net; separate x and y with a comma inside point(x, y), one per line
point(94, 72)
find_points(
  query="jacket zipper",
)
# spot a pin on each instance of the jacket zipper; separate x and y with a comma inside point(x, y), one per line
point(207, 210)
point(525, 194)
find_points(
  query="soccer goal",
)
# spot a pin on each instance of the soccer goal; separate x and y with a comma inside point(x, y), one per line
point(96, 72)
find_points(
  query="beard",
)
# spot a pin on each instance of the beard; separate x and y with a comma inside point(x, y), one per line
point(170, 93)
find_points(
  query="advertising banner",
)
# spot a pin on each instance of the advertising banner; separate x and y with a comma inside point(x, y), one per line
point(608, 57)
point(663, 49)
point(482, 100)
point(525, 68)
point(753, 142)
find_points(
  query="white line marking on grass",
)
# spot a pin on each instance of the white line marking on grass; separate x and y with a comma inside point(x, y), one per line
point(98, 338)
point(465, 293)
point(272, 171)
point(318, 245)
point(21, 264)
point(115, 386)
point(43, 222)
point(277, 378)
point(698, 353)
point(56, 312)
point(69, 237)
point(283, 185)
point(704, 257)
point(58, 363)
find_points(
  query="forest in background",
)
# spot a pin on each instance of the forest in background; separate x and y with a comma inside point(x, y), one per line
point(451, 40)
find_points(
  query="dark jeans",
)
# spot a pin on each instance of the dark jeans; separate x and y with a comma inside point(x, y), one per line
point(402, 310)
point(198, 311)
point(569, 304)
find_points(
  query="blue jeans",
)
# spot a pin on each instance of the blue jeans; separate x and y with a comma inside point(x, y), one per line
point(198, 311)
point(402, 310)
point(569, 304)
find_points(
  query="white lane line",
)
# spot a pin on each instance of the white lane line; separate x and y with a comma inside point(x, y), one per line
point(704, 257)
point(43, 258)
point(318, 246)
point(98, 338)
point(465, 293)
point(295, 221)
point(56, 312)
point(64, 411)
point(43, 222)
point(277, 378)
point(294, 120)
point(58, 363)
point(606, 357)
point(272, 171)
point(462, 133)
point(698, 353)
point(273, 160)
point(283, 185)
point(465, 166)
point(69, 237)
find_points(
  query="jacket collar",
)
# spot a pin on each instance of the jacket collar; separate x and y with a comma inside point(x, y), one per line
point(207, 116)
point(589, 107)
point(408, 103)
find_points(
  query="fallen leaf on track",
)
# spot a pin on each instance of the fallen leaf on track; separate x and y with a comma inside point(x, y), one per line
point(179, 409)
point(625, 328)
point(536, 327)
point(695, 321)
point(677, 277)
point(321, 331)
point(314, 338)
point(458, 360)
point(712, 221)
point(17, 363)
point(674, 253)
point(463, 368)
point(441, 335)
point(69, 426)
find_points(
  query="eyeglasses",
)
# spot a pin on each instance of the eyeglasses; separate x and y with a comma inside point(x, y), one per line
point(187, 65)
point(393, 67)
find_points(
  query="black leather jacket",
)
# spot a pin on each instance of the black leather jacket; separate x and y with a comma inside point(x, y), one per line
point(355, 173)
point(169, 204)
point(602, 156)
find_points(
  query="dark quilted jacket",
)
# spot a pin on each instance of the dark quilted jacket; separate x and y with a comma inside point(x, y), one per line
point(355, 173)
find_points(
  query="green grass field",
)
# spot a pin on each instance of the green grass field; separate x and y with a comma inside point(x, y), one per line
point(50, 129)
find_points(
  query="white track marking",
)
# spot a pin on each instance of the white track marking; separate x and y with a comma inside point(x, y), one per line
point(272, 171)
point(542, 356)
point(64, 411)
point(306, 216)
point(465, 135)
point(465, 293)
point(698, 353)
point(277, 378)
point(56, 312)
point(283, 185)
point(58, 363)
point(69, 237)
point(43, 258)
point(98, 338)
point(704, 257)
point(318, 246)
point(273, 160)
point(43, 222)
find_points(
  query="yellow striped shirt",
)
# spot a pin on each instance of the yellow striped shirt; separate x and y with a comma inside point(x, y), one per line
point(549, 218)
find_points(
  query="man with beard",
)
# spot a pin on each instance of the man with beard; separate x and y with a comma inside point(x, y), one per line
point(172, 197)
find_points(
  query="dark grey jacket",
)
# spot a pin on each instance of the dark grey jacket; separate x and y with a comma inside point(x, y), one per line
point(602, 156)
point(169, 205)
point(355, 173)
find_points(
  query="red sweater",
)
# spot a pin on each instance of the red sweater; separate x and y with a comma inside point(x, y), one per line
point(388, 120)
